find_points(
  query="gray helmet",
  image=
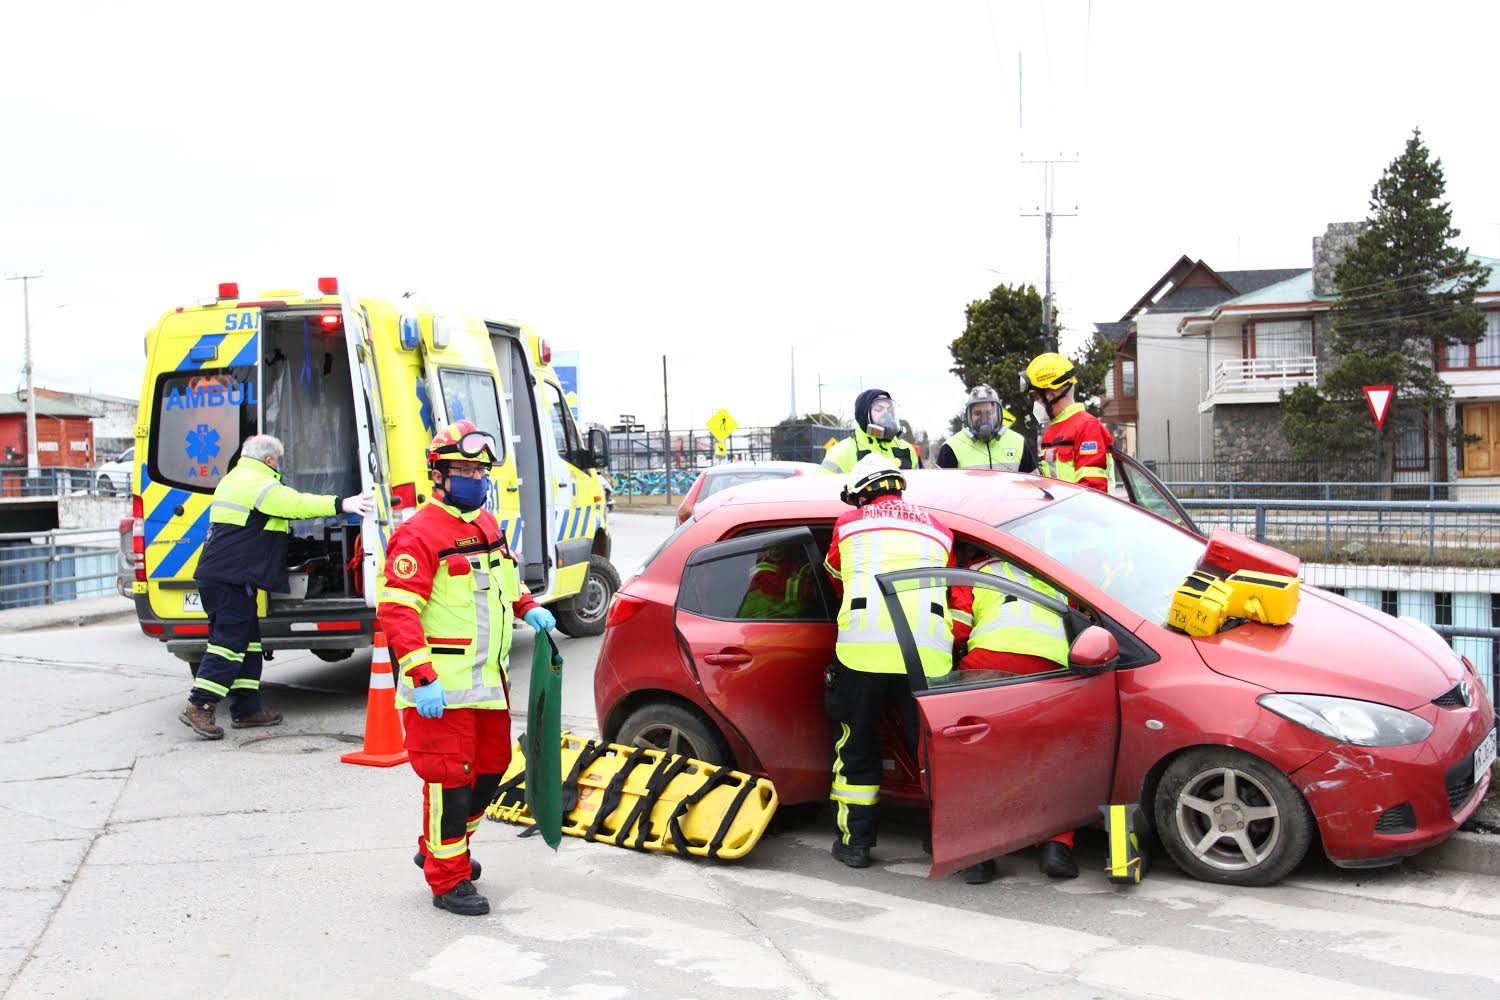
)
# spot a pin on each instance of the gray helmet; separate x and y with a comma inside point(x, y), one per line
point(986, 429)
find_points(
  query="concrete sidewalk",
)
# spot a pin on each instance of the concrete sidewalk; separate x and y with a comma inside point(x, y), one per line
point(88, 611)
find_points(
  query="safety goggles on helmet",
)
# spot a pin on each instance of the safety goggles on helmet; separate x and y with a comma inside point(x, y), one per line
point(462, 441)
point(475, 444)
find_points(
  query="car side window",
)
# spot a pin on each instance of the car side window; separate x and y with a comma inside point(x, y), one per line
point(777, 581)
point(1147, 492)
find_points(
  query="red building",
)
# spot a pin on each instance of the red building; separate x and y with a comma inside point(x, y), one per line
point(64, 433)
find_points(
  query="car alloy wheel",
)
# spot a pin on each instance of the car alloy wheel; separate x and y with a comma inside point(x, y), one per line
point(1228, 819)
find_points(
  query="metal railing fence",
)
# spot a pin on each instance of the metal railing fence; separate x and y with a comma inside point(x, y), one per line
point(642, 464)
point(1458, 490)
point(53, 481)
point(49, 567)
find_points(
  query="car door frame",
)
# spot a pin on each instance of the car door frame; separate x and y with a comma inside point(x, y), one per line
point(1135, 467)
point(956, 846)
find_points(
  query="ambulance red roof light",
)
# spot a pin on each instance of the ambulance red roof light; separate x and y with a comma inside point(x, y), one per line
point(328, 286)
point(545, 350)
point(229, 289)
point(331, 320)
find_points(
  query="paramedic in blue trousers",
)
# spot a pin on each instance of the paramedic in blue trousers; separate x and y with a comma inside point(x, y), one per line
point(245, 551)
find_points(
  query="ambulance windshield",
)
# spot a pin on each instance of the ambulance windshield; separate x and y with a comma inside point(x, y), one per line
point(1132, 556)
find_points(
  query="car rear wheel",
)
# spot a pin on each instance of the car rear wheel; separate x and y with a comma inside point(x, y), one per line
point(1227, 816)
point(673, 729)
point(585, 616)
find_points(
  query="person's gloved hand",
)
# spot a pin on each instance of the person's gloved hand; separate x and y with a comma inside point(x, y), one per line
point(430, 699)
point(540, 619)
point(363, 504)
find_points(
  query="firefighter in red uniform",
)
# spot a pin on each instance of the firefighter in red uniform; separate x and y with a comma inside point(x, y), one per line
point(448, 599)
point(1075, 444)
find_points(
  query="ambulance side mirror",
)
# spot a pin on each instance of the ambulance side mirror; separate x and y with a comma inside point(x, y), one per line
point(598, 449)
point(1093, 652)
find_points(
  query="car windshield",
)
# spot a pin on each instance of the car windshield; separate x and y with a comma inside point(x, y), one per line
point(1132, 556)
point(719, 482)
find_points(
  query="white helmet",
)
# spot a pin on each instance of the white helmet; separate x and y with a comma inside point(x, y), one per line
point(872, 476)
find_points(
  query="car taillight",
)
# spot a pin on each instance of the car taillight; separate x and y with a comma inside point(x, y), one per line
point(138, 537)
point(622, 609)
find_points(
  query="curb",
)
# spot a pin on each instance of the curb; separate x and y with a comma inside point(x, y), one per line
point(62, 616)
point(652, 511)
point(1475, 853)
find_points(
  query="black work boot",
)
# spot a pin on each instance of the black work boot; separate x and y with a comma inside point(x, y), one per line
point(981, 873)
point(200, 718)
point(475, 868)
point(464, 900)
point(851, 855)
point(1056, 860)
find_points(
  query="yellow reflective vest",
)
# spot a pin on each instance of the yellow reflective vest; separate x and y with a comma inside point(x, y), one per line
point(845, 454)
point(247, 526)
point(1004, 451)
point(1005, 624)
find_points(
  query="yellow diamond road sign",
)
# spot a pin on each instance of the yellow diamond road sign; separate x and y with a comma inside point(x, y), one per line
point(721, 425)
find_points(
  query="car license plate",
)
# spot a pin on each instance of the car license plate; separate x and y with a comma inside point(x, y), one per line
point(192, 601)
point(1484, 756)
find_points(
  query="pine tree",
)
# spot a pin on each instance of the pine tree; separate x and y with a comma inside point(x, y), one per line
point(1406, 293)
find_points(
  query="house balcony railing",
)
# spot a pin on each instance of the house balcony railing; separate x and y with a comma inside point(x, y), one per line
point(1244, 376)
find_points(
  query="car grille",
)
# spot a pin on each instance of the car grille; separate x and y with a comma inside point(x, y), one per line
point(1397, 819)
point(1454, 697)
point(1460, 782)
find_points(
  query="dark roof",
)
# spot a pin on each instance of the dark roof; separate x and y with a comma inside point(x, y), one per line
point(1197, 299)
point(1115, 333)
point(14, 402)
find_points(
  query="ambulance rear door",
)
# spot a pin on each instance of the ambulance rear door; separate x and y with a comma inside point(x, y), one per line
point(374, 460)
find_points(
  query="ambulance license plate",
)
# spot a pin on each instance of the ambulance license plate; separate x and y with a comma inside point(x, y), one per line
point(192, 601)
point(1484, 756)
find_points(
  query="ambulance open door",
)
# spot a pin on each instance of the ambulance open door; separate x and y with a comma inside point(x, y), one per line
point(374, 469)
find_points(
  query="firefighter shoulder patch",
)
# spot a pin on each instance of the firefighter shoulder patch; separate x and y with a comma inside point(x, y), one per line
point(1088, 448)
point(404, 566)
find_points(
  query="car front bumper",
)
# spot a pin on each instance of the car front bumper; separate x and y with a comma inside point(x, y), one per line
point(1376, 805)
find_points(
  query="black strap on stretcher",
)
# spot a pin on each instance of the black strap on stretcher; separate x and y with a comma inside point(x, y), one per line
point(722, 776)
point(614, 791)
point(592, 751)
point(641, 814)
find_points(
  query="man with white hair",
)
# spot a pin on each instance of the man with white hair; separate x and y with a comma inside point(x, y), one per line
point(245, 551)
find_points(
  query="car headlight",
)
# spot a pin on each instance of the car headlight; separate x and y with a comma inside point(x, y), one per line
point(1347, 720)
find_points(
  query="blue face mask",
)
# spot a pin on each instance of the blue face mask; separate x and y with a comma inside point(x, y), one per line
point(466, 494)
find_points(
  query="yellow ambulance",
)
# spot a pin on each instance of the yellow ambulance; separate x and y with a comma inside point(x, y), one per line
point(355, 388)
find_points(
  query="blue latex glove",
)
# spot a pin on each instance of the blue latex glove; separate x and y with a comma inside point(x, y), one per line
point(540, 619)
point(430, 699)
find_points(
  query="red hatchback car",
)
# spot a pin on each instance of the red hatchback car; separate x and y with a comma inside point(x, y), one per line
point(1347, 726)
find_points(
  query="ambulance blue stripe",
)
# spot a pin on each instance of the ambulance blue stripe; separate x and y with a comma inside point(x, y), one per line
point(515, 543)
point(249, 354)
point(562, 526)
point(577, 520)
point(588, 515)
point(162, 513)
point(207, 340)
point(188, 545)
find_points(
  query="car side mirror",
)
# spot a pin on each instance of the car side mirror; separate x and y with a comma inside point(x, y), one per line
point(598, 449)
point(1093, 652)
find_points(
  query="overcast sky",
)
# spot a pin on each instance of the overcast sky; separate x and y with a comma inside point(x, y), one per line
point(714, 182)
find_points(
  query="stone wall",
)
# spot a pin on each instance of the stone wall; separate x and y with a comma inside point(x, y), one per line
point(1249, 432)
point(1328, 253)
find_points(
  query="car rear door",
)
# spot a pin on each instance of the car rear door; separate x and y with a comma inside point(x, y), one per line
point(374, 462)
point(756, 616)
point(1009, 759)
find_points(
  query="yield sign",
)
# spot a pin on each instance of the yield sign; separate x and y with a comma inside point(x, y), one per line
point(1379, 397)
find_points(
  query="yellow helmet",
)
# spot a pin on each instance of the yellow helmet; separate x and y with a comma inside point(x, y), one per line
point(1049, 372)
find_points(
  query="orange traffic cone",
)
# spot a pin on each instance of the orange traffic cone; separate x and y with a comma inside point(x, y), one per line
point(385, 745)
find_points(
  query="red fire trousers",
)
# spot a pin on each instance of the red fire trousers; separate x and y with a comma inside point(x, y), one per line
point(460, 758)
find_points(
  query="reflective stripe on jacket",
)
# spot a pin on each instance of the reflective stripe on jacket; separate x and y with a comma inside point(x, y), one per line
point(449, 596)
point(1006, 624)
point(884, 536)
point(1004, 451)
point(247, 526)
point(1075, 449)
point(845, 454)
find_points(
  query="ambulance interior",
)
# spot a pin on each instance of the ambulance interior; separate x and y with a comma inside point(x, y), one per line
point(528, 435)
point(307, 400)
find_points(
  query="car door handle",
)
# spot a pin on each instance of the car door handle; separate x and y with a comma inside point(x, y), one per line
point(728, 658)
point(963, 729)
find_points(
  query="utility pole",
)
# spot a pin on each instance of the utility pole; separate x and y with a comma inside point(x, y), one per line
point(820, 392)
point(32, 471)
point(666, 430)
point(1047, 214)
point(793, 413)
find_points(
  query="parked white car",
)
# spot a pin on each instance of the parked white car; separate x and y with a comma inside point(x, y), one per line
point(113, 478)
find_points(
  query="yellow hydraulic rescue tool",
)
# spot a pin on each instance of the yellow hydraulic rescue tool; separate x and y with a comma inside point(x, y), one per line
point(1204, 602)
point(648, 800)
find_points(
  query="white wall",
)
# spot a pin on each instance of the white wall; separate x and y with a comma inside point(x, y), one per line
point(1170, 380)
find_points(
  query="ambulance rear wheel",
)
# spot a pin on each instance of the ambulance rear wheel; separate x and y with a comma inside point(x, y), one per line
point(333, 655)
point(586, 614)
point(672, 728)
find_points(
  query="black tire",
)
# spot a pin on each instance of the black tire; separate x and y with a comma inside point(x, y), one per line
point(585, 614)
point(333, 655)
point(664, 726)
point(1266, 827)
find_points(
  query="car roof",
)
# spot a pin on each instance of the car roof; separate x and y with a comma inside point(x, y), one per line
point(980, 494)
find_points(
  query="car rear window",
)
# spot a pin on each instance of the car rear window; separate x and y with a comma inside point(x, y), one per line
point(1136, 558)
point(719, 482)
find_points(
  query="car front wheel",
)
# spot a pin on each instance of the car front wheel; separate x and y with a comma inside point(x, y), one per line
point(1227, 816)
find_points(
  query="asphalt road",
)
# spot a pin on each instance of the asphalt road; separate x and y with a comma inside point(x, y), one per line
point(147, 863)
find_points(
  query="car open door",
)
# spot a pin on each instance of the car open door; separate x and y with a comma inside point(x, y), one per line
point(756, 615)
point(1009, 759)
point(1143, 489)
point(374, 462)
